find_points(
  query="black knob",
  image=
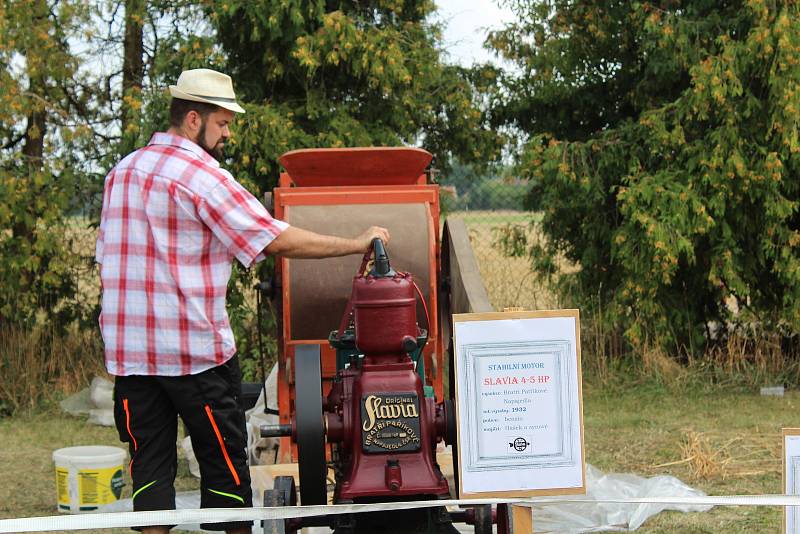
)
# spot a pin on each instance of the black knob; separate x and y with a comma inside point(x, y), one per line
point(409, 344)
point(381, 268)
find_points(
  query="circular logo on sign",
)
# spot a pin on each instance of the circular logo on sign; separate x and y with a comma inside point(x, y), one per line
point(519, 444)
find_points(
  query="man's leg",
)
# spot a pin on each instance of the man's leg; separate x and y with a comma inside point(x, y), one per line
point(146, 419)
point(210, 405)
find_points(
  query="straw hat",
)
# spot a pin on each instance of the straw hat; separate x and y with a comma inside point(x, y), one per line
point(206, 85)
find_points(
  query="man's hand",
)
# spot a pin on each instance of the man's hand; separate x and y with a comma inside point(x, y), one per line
point(371, 233)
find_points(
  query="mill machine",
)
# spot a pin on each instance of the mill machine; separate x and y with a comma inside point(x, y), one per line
point(362, 405)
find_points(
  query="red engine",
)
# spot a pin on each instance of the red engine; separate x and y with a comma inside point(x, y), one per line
point(382, 427)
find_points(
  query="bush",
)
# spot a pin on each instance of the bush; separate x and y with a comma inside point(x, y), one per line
point(38, 366)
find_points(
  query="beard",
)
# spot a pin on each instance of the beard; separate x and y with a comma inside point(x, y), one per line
point(215, 151)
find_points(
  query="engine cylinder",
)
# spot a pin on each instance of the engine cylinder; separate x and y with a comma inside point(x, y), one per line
point(385, 313)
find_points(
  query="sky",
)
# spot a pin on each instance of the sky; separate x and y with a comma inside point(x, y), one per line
point(466, 24)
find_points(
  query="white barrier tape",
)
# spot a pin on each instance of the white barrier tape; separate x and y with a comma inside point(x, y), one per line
point(225, 515)
point(210, 515)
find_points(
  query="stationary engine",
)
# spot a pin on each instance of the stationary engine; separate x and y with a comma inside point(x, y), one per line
point(382, 427)
point(381, 422)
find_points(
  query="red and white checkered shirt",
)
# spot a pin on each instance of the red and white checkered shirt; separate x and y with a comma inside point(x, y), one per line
point(171, 225)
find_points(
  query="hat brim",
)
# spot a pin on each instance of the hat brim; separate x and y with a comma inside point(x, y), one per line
point(225, 103)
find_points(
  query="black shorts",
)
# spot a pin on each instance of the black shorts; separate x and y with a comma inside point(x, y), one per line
point(146, 410)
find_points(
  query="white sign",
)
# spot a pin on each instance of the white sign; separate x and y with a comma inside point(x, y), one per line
point(518, 385)
point(791, 478)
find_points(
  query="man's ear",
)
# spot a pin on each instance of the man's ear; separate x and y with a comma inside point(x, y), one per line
point(192, 121)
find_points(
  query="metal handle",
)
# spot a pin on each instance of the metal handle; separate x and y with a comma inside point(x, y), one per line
point(381, 266)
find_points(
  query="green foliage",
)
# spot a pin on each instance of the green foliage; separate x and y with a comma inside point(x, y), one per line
point(39, 177)
point(332, 74)
point(498, 194)
point(664, 155)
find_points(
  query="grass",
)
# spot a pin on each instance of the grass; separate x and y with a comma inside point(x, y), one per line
point(723, 441)
point(36, 366)
point(720, 441)
point(27, 472)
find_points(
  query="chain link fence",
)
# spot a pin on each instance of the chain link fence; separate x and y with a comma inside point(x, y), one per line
point(493, 210)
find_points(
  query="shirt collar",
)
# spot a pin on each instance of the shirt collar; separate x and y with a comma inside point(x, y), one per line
point(163, 138)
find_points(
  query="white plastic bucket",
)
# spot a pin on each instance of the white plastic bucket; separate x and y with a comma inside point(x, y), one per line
point(88, 477)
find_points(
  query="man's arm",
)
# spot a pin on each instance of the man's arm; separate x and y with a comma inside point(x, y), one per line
point(298, 243)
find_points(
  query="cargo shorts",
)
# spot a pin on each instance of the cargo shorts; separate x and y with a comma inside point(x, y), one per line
point(146, 411)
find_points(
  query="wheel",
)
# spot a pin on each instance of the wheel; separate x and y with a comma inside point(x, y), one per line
point(313, 469)
point(483, 519)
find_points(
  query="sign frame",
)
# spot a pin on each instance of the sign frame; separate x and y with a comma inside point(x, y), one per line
point(463, 368)
point(788, 433)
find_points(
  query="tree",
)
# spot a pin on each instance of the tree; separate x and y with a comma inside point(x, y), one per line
point(39, 111)
point(335, 73)
point(132, 71)
point(664, 155)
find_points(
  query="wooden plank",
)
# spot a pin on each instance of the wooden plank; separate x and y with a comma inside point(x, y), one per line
point(522, 519)
point(467, 292)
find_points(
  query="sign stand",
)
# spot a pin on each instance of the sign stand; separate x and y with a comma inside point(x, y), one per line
point(791, 478)
point(522, 519)
point(518, 407)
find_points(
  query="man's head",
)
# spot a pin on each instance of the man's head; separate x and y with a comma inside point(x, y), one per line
point(202, 108)
point(208, 125)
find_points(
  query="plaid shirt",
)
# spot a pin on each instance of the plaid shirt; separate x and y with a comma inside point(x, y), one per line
point(171, 225)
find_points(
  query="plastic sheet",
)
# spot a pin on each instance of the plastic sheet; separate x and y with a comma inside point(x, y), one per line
point(96, 401)
point(604, 517)
point(264, 450)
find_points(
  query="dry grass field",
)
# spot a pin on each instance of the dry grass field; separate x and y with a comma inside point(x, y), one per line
point(509, 281)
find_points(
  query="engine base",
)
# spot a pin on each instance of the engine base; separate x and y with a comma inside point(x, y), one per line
point(424, 521)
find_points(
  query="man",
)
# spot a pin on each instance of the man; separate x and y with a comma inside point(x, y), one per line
point(172, 223)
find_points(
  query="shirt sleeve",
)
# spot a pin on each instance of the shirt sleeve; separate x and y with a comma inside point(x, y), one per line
point(239, 221)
